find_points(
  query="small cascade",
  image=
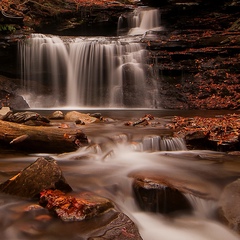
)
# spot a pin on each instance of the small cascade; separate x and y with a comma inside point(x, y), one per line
point(152, 143)
point(140, 21)
point(157, 143)
point(87, 72)
point(202, 207)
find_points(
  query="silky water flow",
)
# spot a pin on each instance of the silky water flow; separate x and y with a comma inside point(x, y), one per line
point(108, 72)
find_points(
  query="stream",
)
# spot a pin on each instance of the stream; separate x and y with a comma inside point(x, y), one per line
point(103, 168)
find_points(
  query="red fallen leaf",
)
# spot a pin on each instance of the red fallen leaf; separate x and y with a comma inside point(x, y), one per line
point(225, 129)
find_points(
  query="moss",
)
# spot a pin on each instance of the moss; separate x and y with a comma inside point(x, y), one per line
point(7, 28)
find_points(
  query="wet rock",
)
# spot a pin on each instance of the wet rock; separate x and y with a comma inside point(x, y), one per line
point(159, 197)
point(9, 96)
point(110, 225)
point(144, 121)
point(4, 111)
point(120, 227)
point(44, 173)
point(104, 222)
point(57, 115)
point(16, 101)
point(78, 117)
point(29, 118)
point(161, 191)
point(96, 115)
point(229, 206)
point(69, 208)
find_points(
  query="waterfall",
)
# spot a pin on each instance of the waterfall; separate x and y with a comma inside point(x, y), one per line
point(140, 21)
point(86, 72)
point(157, 143)
point(44, 61)
point(109, 72)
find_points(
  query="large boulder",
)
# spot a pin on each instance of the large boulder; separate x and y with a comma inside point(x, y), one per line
point(159, 197)
point(166, 193)
point(44, 173)
point(229, 206)
point(109, 225)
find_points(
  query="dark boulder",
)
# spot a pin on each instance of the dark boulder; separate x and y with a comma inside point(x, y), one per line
point(110, 225)
point(159, 197)
point(44, 173)
point(9, 96)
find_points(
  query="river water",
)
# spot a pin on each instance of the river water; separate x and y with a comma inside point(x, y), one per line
point(117, 151)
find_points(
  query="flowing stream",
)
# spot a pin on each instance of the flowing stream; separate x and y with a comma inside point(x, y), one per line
point(105, 168)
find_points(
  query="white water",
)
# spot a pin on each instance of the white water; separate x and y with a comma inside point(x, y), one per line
point(110, 177)
point(86, 72)
point(140, 21)
point(104, 168)
point(90, 72)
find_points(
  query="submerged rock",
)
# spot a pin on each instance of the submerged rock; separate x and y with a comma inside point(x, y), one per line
point(44, 173)
point(110, 225)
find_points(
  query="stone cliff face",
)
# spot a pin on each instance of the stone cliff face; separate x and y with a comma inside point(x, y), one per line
point(195, 57)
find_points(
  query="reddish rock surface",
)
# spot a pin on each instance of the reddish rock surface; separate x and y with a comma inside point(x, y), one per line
point(69, 208)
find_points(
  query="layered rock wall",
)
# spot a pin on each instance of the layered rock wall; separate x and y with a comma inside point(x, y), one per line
point(195, 57)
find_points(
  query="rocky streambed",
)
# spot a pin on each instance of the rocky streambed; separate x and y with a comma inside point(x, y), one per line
point(125, 168)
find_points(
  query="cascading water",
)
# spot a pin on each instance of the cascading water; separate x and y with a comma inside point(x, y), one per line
point(140, 21)
point(89, 72)
point(106, 168)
